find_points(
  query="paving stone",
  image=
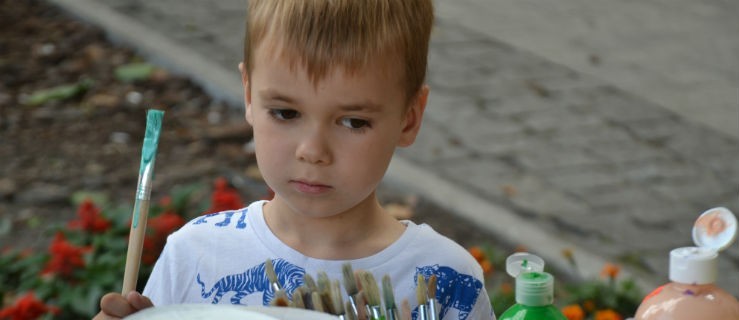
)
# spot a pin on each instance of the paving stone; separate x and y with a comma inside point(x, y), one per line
point(698, 143)
point(551, 156)
point(589, 135)
point(530, 193)
point(486, 175)
point(434, 144)
point(618, 106)
point(649, 171)
point(624, 151)
point(580, 179)
point(617, 197)
point(702, 191)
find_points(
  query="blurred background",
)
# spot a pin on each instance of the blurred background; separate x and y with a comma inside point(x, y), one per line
point(594, 128)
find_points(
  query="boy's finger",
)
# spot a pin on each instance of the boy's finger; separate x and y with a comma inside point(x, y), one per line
point(115, 305)
point(138, 301)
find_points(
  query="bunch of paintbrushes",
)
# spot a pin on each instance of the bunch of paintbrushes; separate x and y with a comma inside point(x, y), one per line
point(365, 302)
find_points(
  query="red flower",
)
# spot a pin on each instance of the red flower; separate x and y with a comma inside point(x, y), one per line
point(224, 197)
point(159, 228)
point(90, 219)
point(65, 257)
point(27, 307)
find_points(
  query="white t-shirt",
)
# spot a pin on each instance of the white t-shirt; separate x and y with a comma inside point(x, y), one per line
point(219, 258)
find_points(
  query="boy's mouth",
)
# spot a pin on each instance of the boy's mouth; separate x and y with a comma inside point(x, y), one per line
point(309, 187)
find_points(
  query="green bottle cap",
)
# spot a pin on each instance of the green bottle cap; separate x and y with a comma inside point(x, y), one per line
point(534, 287)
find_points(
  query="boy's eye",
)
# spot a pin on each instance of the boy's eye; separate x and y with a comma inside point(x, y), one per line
point(284, 114)
point(354, 123)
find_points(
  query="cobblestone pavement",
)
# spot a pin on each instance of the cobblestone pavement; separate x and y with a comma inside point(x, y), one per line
point(597, 164)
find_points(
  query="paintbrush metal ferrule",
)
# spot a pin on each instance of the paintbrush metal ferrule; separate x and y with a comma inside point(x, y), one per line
point(392, 314)
point(433, 314)
point(353, 303)
point(375, 313)
point(422, 313)
point(143, 190)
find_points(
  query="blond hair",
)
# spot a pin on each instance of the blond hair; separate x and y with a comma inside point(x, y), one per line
point(352, 34)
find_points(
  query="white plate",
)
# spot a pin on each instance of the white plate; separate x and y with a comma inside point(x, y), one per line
point(227, 312)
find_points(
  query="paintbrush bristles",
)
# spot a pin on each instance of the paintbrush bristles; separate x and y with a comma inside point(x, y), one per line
point(421, 290)
point(317, 303)
point(298, 298)
point(405, 310)
point(269, 268)
point(324, 284)
point(432, 286)
point(336, 299)
point(387, 292)
point(349, 283)
point(371, 290)
point(308, 281)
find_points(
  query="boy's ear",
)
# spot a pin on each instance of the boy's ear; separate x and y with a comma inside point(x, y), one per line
point(247, 93)
point(413, 117)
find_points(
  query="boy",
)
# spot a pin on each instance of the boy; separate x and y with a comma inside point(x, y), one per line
point(331, 89)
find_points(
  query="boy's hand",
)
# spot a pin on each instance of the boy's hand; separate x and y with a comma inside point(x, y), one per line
point(115, 306)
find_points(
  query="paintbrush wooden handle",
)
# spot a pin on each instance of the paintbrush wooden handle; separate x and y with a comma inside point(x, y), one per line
point(135, 246)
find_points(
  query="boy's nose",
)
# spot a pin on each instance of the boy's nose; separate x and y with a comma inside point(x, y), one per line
point(313, 148)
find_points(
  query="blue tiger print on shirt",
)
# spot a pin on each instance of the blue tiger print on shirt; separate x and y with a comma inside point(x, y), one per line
point(454, 290)
point(241, 224)
point(254, 280)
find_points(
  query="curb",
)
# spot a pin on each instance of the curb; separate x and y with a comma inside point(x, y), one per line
point(224, 85)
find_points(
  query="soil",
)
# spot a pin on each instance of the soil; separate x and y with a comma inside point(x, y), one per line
point(91, 141)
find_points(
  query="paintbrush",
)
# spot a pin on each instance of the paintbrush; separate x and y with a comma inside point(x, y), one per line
point(309, 282)
point(337, 303)
point(350, 285)
point(391, 310)
point(324, 290)
point(306, 293)
point(348, 313)
point(361, 306)
point(433, 310)
point(405, 310)
point(143, 197)
point(269, 269)
point(280, 299)
point(317, 302)
point(372, 292)
point(421, 298)
point(297, 301)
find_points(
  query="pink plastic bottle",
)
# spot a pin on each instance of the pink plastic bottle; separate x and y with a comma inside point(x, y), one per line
point(692, 294)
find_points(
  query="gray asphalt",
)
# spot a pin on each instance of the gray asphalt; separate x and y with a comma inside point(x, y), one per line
point(605, 127)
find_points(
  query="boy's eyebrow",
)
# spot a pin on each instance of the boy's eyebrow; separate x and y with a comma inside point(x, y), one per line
point(269, 94)
point(368, 106)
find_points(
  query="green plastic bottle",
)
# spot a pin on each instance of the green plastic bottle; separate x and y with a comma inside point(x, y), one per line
point(534, 290)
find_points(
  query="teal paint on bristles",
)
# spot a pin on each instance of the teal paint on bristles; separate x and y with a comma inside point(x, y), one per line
point(151, 137)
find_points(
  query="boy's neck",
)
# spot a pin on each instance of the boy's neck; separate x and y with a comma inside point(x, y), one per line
point(360, 232)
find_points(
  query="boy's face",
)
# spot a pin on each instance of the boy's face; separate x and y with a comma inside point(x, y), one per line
point(324, 148)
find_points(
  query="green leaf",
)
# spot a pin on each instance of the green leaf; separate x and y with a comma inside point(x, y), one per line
point(62, 92)
point(134, 71)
